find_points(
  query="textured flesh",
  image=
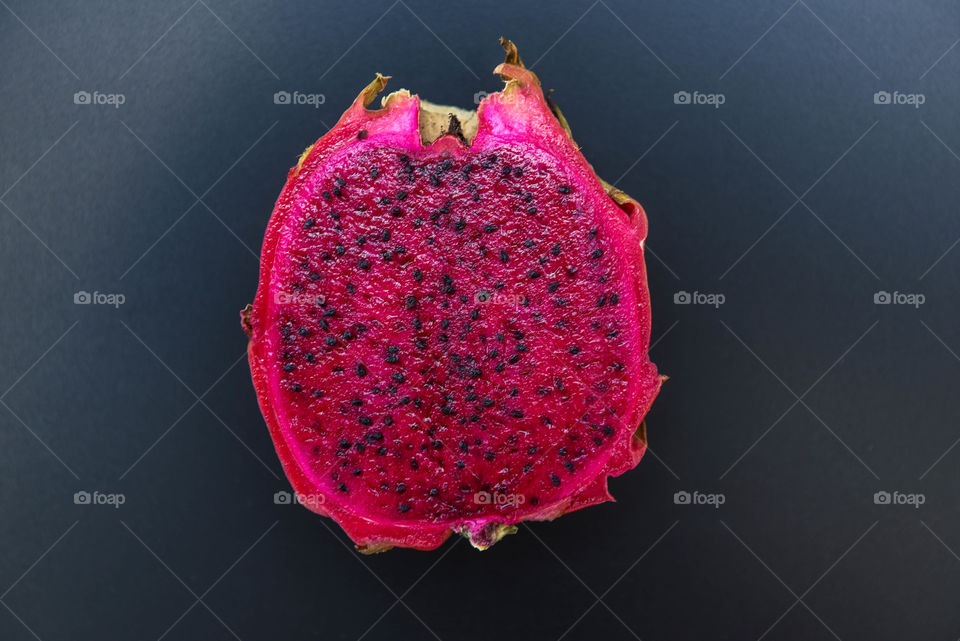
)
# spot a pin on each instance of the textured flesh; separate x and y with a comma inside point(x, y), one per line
point(451, 337)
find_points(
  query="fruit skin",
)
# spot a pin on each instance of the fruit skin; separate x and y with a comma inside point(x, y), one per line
point(519, 112)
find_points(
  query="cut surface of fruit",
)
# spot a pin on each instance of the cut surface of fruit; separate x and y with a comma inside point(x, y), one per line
point(451, 328)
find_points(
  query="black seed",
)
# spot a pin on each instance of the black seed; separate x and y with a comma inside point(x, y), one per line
point(460, 225)
point(463, 445)
point(330, 340)
point(314, 276)
point(404, 507)
point(475, 314)
point(295, 387)
point(361, 370)
point(554, 286)
point(602, 300)
point(401, 195)
point(500, 366)
point(414, 465)
point(330, 311)
point(401, 488)
point(563, 189)
point(614, 299)
point(434, 491)
point(513, 359)
point(363, 264)
point(342, 487)
point(411, 302)
point(532, 449)
point(573, 349)
point(289, 367)
point(527, 468)
point(360, 447)
point(398, 377)
point(308, 223)
point(356, 402)
point(344, 444)
point(396, 212)
point(367, 421)
point(489, 455)
point(531, 210)
point(459, 465)
point(326, 195)
point(373, 436)
point(487, 402)
point(597, 253)
point(335, 215)
point(516, 413)
point(443, 338)
point(445, 323)
point(361, 134)
point(341, 250)
point(555, 480)
point(504, 256)
point(569, 465)
point(607, 430)
point(374, 172)
point(337, 192)
point(317, 393)
point(381, 451)
point(309, 357)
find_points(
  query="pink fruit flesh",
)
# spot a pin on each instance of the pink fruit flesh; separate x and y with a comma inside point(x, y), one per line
point(450, 337)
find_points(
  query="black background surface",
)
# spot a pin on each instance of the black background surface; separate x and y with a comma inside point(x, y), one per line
point(797, 399)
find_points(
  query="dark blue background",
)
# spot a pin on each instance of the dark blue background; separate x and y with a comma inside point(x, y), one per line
point(798, 199)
